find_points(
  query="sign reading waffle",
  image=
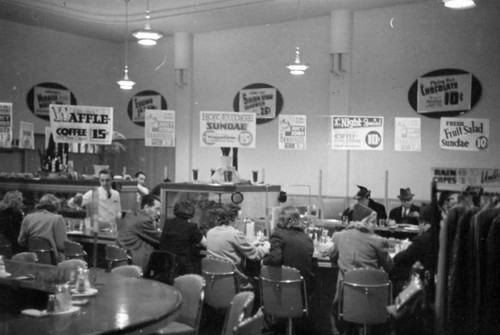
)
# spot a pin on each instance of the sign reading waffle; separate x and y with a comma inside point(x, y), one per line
point(357, 133)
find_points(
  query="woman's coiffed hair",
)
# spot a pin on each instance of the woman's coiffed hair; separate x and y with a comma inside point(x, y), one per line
point(49, 202)
point(226, 214)
point(289, 218)
point(12, 199)
point(184, 209)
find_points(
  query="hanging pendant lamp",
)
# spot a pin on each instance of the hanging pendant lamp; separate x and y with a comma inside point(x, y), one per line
point(459, 4)
point(147, 36)
point(126, 83)
point(297, 68)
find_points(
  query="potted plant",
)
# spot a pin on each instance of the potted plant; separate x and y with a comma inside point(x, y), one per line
point(103, 150)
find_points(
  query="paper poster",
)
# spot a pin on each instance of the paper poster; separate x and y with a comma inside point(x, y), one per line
point(81, 124)
point(27, 136)
point(407, 134)
point(472, 177)
point(45, 96)
point(357, 132)
point(464, 134)
point(159, 128)
point(261, 101)
point(143, 102)
point(292, 132)
point(227, 129)
point(5, 125)
point(444, 93)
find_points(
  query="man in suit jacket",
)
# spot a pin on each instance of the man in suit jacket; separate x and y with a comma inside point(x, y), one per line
point(407, 212)
point(363, 198)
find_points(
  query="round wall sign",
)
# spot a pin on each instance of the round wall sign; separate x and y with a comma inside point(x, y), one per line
point(262, 99)
point(40, 96)
point(144, 100)
point(444, 93)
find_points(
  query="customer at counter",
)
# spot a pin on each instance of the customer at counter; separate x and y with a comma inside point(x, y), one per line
point(142, 190)
point(139, 233)
point(12, 215)
point(225, 241)
point(357, 246)
point(363, 198)
point(407, 212)
point(109, 204)
point(179, 236)
point(45, 223)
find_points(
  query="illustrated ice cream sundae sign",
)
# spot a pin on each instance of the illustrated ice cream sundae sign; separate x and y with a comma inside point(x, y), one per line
point(227, 129)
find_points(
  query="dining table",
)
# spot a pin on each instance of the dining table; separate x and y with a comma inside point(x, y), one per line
point(116, 305)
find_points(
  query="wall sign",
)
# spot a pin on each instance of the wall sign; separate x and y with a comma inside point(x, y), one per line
point(444, 93)
point(464, 134)
point(357, 132)
point(41, 96)
point(141, 101)
point(263, 100)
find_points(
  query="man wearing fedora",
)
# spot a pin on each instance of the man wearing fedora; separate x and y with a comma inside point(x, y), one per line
point(363, 198)
point(407, 212)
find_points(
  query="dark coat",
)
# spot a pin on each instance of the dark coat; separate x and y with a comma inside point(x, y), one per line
point(421, 249)
point(395, 215)
point(379, 208)
point(11, 226)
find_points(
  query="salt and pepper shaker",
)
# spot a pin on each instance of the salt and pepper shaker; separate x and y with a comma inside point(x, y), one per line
point(51, 304)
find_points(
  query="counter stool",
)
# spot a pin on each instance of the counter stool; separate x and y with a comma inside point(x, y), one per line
point(74, 250)
point(241, 308)
point(43, 249)
point(221, 282)
point(116, 256)
point(132, 271)
point(28, 257)
point(251, 326)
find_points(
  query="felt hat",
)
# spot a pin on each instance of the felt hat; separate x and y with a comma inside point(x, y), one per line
point(405, 194)
point(362, 193)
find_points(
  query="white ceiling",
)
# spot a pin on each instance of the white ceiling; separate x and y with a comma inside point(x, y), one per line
point(105, 19)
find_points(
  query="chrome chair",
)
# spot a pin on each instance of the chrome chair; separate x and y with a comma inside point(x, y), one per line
point(133, 271)
point(188, 321)
point(116, 256)
point(162, 266)
point(241, 308)
point(43, 249)
point(364, 295)
point(28, 257)
point(221, 282)
point(74, 250)
point(251, 326)
point(283, 293)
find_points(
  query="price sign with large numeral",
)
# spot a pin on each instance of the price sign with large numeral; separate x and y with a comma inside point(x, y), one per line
point(357, 132)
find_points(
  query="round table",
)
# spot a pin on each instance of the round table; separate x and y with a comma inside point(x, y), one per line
point(122, 305)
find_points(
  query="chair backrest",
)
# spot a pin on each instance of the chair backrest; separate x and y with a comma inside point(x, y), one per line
point(133, 271)
point(221, 282)
point(162, 266)
point(115, 256)
point(6, 248)
point(364, 295)
point(29, 257)
point(73, 264)
point(74, 250)
point(241, 308)
point(191, 288)
point(43, 249)
point(251, 326)
point(283, 292)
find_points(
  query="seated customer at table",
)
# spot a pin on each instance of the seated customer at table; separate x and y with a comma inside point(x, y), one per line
point(179, 236)
point(11, 215)
point(225, 241)
point(364, 199)
point(357, 246)
point(407, 212)
point(47, 224)
point(139, 234)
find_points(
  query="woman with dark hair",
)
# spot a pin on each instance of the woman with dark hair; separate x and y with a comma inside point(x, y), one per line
point(179, 236)
point(225, 241)
point(45, 223)
point(12, 215)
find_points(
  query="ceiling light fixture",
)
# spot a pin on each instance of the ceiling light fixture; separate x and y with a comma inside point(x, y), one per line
point(126, 83)
point(459, 4)
point(297, 68)
point(147, 36)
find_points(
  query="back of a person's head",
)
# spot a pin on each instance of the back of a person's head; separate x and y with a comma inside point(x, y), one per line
point(426, 213)
point(184, 209)
point(149, 200)
point(48, 202)
point(12, 199)
point(226, 214)
point(289, 218)
point(443, 196)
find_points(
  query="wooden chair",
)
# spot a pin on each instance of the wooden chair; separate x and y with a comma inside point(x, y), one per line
point(162, 266)
point(283, 293)
point(116, 256)
point(188, 321)
point(221, 282)
point(241, 308)
point(133, 271)
point(43, 249)
point(364, 295)
point(251, 326)
point(74, 250)
point(28, 257)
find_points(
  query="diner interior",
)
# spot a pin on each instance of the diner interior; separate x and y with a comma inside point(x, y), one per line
point(364, 58)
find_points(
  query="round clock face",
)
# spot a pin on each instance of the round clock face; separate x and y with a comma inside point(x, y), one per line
point(237, 198)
